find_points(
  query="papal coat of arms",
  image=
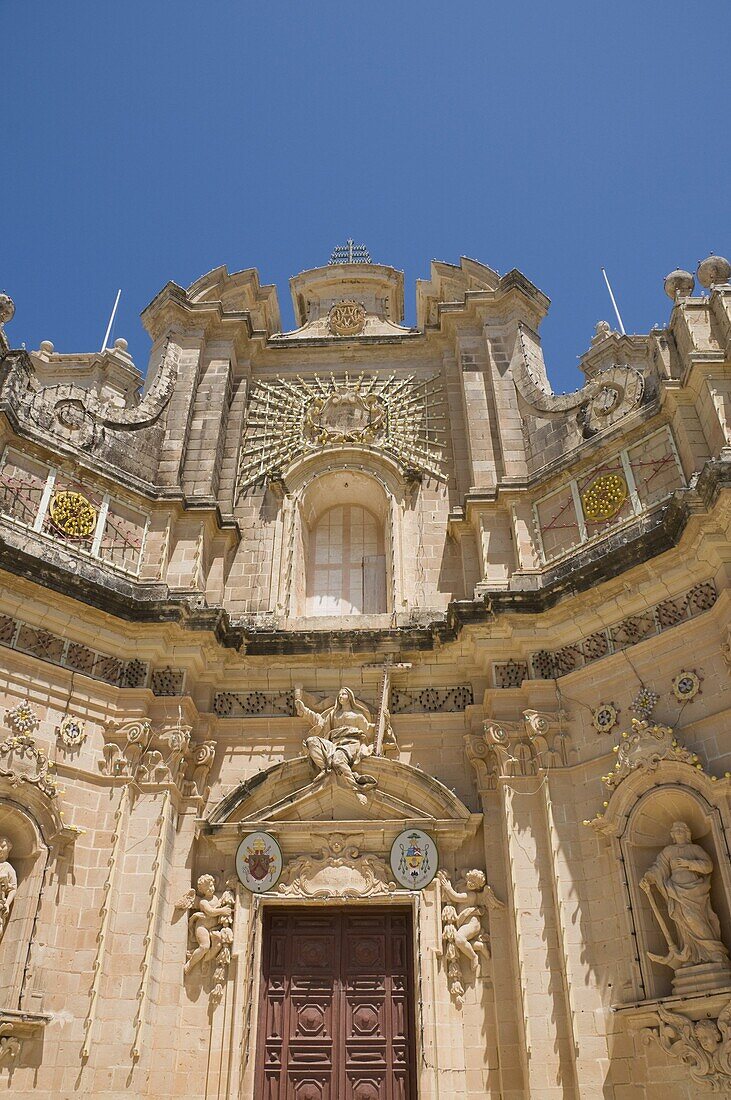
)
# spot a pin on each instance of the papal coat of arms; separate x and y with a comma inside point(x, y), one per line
point(258, 862)
point(414, 859)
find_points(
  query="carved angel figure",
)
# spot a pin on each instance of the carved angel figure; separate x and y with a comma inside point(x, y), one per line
point(682, 876)
point(462, 931)
point(339, 739)
point(210, 921)
point(704, 1046)
point(8, 883)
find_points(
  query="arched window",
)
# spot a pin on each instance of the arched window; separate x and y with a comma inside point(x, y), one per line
point(347, 565)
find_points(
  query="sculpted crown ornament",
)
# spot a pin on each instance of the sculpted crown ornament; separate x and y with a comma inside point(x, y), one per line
point(644, 748)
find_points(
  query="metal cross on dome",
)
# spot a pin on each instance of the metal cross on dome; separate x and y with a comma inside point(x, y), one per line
point(350, 253)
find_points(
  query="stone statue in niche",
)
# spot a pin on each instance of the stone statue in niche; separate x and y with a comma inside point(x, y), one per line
point(681, 874)
point(339, 739)
point(8, 883)
point(209, 923)
point(463, 932)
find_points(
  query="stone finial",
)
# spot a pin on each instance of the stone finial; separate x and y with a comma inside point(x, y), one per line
point(120, 344)
point(7, 309)
point(602, 330)
point(714, 270)
point(679, 284)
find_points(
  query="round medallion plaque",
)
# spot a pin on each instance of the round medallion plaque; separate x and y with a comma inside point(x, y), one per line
point(258, 862)
point(72, 514)
point(346, 319)
point(604, 497)
point(414, 859)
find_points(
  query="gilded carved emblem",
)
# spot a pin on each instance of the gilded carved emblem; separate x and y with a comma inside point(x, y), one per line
point(604, 497)
point(72, 514)
point(345, 417)
point(346, 319)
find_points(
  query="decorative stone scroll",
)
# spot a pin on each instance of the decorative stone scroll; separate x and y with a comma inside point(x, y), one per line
point(523, 748)
point(400, 416)
point(21, 761)
point(463, 933)
point(340, 870)
point(703, 1046)
point(165, 755)
point(644, 748)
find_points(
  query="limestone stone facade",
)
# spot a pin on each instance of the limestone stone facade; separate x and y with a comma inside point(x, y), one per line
point(527, 597)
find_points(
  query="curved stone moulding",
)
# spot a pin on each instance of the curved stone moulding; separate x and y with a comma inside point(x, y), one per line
point(614, 393)
point(22, 387)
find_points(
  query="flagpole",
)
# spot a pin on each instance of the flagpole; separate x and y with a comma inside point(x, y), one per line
point(614, 303)
point(111, 320)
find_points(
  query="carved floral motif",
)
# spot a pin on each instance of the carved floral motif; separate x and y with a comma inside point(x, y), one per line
point(71, 732)
point(22, 762)
point(22, 718)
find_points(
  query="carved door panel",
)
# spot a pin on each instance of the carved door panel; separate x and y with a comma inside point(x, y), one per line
point(337, 1006)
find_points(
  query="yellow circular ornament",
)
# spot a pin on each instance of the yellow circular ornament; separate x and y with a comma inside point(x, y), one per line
point(346, 318)
point(72, 514)
point(604, 497)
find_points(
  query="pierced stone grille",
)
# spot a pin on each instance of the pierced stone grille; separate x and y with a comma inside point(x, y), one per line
point(15, 634)
point(254, 704)
point(510, 674)
point(431, 700)
point(546, 665)
point(167, 681)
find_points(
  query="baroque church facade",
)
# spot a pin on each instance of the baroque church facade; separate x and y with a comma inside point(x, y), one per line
point(365, 704)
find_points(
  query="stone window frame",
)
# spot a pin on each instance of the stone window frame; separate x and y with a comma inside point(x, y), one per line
point(106, 499)
point(636, 505)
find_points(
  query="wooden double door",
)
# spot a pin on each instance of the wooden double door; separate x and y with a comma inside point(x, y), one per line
point(336, 1016)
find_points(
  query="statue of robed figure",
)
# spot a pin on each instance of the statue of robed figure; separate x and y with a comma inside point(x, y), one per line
point(339, 739)
point(681, 874)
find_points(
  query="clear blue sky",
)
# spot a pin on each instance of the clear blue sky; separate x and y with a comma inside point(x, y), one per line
point(148, 141)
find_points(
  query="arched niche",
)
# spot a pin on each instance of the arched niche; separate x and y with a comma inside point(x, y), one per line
point(333, 485)
point(638, 818)
point(29, 858)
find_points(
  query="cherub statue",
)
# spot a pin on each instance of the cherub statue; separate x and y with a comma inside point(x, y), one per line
point(210, 921)
point(8, 883)
point(462, 931)
point(339, 739)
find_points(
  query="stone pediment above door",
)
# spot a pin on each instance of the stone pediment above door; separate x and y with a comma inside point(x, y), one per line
point(285, 801)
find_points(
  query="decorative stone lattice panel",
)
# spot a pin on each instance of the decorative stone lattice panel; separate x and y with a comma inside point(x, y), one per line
point(547, 664)
point(254, 704)
point(431, 700)
point(16, 634)
point(399, 416)
point(510, 674)
point(167, 681)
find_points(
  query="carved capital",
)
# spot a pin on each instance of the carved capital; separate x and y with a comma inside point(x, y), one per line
point(519, 748)
point(160, 755)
